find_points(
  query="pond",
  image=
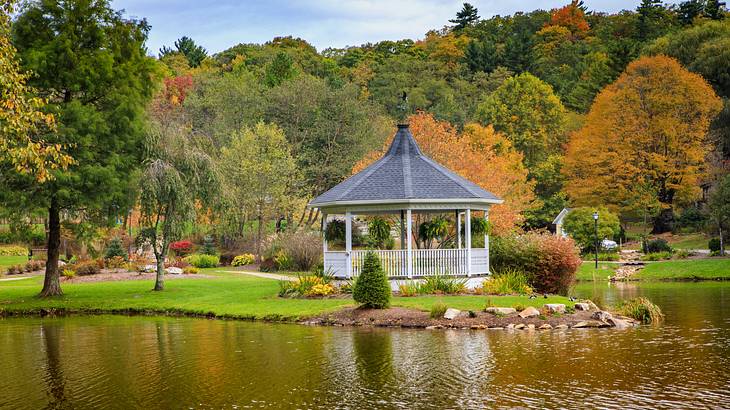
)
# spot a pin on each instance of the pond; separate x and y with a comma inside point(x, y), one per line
point(134, 362)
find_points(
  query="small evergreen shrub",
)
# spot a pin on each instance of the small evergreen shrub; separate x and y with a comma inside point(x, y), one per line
point(209, 246)
point(657, 245)
point(714, 245)
point(243, 260)
point(201, 260)
point(438, 310)
point(372, 289)
point(115, 249)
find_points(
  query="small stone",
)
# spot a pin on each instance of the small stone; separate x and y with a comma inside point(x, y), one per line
point(582, 306)
point(434, 327)
point(149, 268)
point(173, 270)
point(495, 328)
point(618, 323)
point(602, 315)
point(590, 323)
point(478, 327)
point(531, 326)
point(519, 326)
point(451, 313)
point(563, 326)
point(500, 310)
point(555, 307)
point(511, 326)
point(529, 312)
point(546, 326)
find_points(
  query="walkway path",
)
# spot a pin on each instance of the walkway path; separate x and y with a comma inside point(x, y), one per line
point(9, 279)
point(262, 274)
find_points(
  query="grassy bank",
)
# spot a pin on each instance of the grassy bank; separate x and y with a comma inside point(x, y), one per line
point(226, 295)
point(6, 261)
point(688, 269)
point(588, 272)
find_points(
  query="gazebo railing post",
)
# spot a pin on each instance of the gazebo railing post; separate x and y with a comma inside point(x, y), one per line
point(409, 254)
point(467, 221)
point(458, 229)
point(486, 239)
point(348, 243)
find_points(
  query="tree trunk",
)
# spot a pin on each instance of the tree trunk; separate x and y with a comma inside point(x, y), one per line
point(52, 281)
point(160, 278)
point(259, 234)
point(664, 222)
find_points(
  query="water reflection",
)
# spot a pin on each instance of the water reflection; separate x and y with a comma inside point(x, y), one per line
point(121, 362)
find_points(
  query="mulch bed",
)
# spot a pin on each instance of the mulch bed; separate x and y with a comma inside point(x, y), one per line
point(112, 275)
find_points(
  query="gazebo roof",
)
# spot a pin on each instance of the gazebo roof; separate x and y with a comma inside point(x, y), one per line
point(404, 175)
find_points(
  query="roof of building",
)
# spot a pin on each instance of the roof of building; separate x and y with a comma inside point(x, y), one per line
point(559, 219)
point(404, 173)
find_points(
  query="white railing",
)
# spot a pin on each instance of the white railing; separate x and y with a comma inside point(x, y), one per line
point(426, 262)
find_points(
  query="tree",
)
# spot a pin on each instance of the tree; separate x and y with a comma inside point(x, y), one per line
point(22, 117)
point(99, 88)
point(279, 70)
point(655, 19)
point(467, 16)
point(579, 224)
point(371, 288)
point(572, 17)
point(177, 178)
point(194, 53)
point(718, 208)
point(479, 154)
point(527, 112)
point(260, 174)
point(645, 133)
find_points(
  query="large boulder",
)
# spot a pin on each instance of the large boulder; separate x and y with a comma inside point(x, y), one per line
point(555, 307)
point(500, 310)
point(582, 306)
point(529, 312)
point(451, 313)
point(602, 315)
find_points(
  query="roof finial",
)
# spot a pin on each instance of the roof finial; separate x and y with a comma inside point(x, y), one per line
point(403, 109)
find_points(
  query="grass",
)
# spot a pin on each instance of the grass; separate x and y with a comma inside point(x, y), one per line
point(6, 261)
point(588, 272)
point(689, 241)
point(690, 269)
point(641, 309)
point(227, 295)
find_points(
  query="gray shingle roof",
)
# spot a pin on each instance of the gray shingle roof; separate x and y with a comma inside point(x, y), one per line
point(403, 173)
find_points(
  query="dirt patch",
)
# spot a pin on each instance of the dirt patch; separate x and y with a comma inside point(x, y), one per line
point(112, 276)
point(411, 318)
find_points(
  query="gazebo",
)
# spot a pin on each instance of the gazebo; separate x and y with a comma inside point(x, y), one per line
point(405, 181)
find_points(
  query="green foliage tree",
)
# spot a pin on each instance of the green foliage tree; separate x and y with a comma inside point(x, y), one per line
point(279, 70)
point(527, 111)
point(580, 225)
point(177, 177)
point(115, 248)
point(194, 53)
point(260, 175)
point(467, 16)
point(718, 207)
point(98, 88)
point(371, 289)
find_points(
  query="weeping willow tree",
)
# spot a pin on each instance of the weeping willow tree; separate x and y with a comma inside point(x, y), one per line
point(178, 177)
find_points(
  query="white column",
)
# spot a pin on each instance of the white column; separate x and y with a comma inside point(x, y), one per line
point(348, 242)
point(458, 229)
point(324, 234)
point(467, 221)
point(486, 238)
point(408, 242)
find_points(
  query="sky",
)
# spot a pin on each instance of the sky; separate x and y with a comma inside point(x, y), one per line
point(220, 24)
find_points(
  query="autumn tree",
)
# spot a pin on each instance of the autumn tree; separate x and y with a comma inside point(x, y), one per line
point(645, 132)
point(572, 17)
point(23, 120)
point(479, 154)
point(99, 88)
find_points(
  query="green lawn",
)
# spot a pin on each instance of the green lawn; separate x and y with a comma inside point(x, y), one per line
point(6, 261)
point(227, 295)
point(689, 241)
point(710, 268)
point(588, 272)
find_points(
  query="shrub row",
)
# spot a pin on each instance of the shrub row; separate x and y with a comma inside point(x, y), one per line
point(13, 250)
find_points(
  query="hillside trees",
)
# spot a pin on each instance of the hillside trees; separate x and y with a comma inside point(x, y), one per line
point(194, 53)
point(98, 89)
point(645, 132)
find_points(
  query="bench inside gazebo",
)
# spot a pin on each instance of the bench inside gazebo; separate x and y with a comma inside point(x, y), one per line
point(405, 182)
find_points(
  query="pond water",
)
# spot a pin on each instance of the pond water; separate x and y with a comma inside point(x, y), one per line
point(135, 362)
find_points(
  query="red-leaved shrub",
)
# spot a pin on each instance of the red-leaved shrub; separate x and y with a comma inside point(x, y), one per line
point(550, 262)
point(182, 248)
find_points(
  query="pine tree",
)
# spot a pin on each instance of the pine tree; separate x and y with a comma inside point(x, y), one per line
point(194, 53)
point(372, 289)
point(465, 18)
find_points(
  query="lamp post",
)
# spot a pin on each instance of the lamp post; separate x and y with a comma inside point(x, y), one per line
point(595, 223)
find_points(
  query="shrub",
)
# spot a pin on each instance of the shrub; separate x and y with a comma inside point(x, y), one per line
point(68, 273)
point(438, 310)
point(182, 248)
point(200, 260)
point(683, 254)
point(641, 309)
point(267, 265)
point(608, 256)
point(243, 260)
point(209, 246)
point(442, 284)
point(579, 224)
point(33, 266)
point(282, 261)
point(372, 289)
point(190, 270)
point(714, 245)
point(656, 246)
point(410, 288)
point(178, 263)
point(507, 282)
point(16, 250)
point(519, 307)
point(85, 268)
point(550, 262)
point(304, 249)
point(116, 262)
point(657, 256)
point(115, 249)
point(14, 270)
point(569, 309)
point(305, 286)
point(322, 289)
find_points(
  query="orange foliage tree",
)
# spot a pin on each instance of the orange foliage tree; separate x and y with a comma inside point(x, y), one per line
point(478, 154)
point(643, 145)
point(572, 17)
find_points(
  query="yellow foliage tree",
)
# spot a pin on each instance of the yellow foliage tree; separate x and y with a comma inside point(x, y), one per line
point(643, 144)
point(479, 154)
